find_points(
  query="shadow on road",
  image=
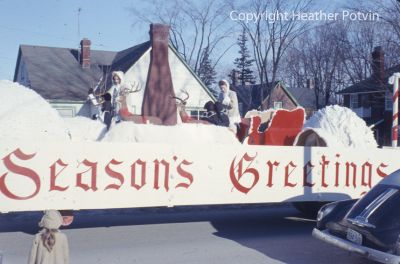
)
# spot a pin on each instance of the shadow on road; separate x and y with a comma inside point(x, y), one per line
point(284, 235)
point(277, 231)
point(27, 222)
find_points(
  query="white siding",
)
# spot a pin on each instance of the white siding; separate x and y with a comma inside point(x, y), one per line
point(182, 79)
point(137, 74)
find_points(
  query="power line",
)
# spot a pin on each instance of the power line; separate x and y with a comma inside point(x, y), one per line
point(79, 23)
point(35, 33)
point(49, 36)
point(7, 58)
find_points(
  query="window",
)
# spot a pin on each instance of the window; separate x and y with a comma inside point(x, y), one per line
point(388, 102)
point(197, 114)
point(365, 102)
point(277, 105)
point(353, 101)
point(66, 111)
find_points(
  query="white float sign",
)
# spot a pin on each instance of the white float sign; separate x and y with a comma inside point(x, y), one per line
point(92, 175)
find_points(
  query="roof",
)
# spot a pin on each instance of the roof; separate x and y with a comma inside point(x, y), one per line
point(371, 85)
point(304, 96)
point(250, 95)
point(287, 91)
point(55, 73)
point(124, 59)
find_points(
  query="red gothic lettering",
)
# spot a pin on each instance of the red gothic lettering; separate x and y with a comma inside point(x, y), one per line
point(271, 171)
point(142, 164)
point(324, 164)
point(287, 174)
point(157, 174)
point(14, 168)
point(306, 173)
point(184, 174)
point(115, 175)
point(93, 175)
point(367, 182)
point(252, 171)
point(380, 172)
point(337, 164)
point(54, 175)
point(354, 166)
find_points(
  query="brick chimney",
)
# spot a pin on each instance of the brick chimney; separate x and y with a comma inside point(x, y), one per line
point(157, 99)
point(378, 64)
point(85, 53)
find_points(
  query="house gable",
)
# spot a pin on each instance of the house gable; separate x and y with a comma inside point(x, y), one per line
point(280, 95)
point(56, 74)
point(183, 79)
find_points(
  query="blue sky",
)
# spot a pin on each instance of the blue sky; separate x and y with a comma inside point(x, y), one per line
point(55, 23)
point(108, 24)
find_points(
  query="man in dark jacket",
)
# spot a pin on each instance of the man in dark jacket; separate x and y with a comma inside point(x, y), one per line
point(107, 110)
point(215, 114)
point(223, 119)
point(210, 115)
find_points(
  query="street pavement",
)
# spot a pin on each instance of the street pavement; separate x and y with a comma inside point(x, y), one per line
point(217, 234)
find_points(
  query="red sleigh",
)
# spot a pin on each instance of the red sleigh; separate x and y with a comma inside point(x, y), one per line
point(281, 130)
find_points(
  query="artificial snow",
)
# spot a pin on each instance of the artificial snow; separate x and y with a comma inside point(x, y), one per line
point(25, 115)
point(178, 134)
point(264, 115)
point(341, 127)
point(85, 129)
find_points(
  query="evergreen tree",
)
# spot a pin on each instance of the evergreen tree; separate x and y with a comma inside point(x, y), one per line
point(244, 62)
point(206, 71)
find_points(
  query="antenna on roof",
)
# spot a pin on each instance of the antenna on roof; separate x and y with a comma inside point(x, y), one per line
point(79, 34)
point(79, 23)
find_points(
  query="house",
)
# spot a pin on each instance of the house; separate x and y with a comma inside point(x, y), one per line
point(63, 76)
point(275, 96)
point(371, 98)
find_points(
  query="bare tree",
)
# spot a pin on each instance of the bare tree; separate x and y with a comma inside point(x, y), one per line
point(270, 38)
point(336, 55)
point(195, 27)
point(364, 35)
point(316, 57)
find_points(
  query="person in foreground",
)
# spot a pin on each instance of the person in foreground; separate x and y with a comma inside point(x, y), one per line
point(50, 246)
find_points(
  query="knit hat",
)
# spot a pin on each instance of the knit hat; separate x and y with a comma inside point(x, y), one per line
point(51, 219)
point(223, 81)
point(119, 74)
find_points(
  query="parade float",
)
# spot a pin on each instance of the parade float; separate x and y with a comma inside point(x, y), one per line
point(163, 157)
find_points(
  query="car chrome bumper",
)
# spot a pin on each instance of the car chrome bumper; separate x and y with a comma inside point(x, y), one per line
point(366, 252)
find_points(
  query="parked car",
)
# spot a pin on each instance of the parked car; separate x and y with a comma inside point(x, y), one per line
point(369, 226)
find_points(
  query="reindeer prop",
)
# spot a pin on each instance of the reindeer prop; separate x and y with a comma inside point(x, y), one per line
point(181, 106)
point(128, 116)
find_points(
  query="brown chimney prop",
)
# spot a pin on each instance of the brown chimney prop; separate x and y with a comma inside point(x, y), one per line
point(378, 64)
point(85, 53)
point(157, 99)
